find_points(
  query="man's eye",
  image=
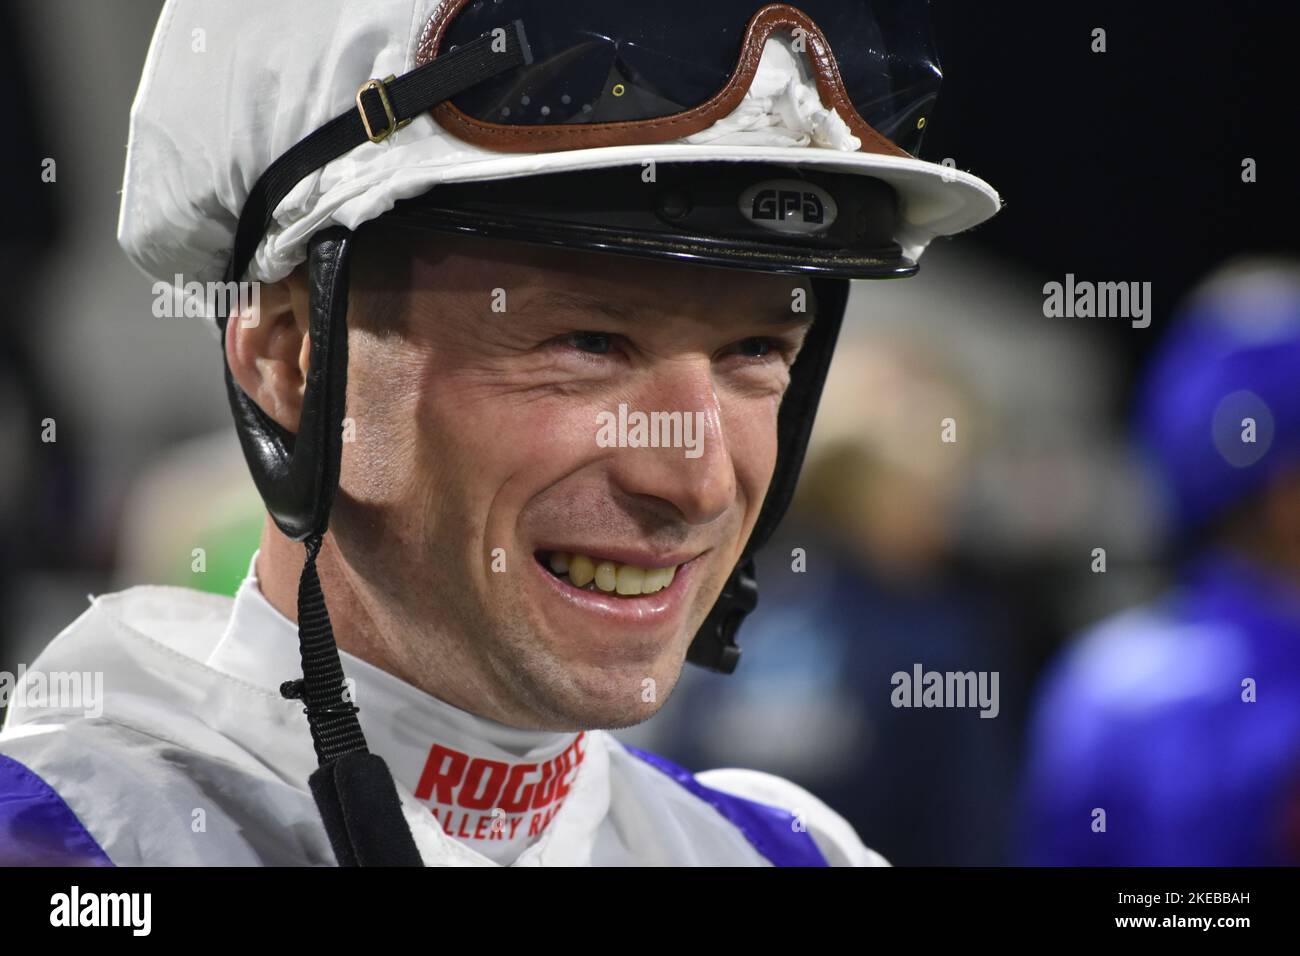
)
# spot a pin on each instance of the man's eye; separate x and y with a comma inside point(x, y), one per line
point(754, 348)
point(597, 343)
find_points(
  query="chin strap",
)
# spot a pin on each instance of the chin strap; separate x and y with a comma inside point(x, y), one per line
point(714, 646)
point(331, 714)
point(353, 788)
point(297, 476)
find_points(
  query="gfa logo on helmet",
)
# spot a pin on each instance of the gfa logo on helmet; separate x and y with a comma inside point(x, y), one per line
point(788, 205)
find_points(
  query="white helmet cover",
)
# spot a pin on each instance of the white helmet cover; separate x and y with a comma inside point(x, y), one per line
point(230, 85)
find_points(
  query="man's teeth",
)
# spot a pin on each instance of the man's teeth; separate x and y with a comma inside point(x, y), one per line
point(628, 580)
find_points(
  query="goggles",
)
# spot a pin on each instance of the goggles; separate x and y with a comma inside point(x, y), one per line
point(606, 74)
point(543, 76)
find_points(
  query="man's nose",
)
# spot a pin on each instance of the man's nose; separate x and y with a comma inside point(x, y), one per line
point(679, 409)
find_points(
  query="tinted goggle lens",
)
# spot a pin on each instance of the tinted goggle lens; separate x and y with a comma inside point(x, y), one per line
point(602, 62)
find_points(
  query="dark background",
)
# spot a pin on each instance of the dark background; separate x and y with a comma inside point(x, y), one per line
point(1125, 164)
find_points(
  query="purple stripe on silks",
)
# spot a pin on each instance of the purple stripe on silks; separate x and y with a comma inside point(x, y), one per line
point(36, 827)
point(769, 829)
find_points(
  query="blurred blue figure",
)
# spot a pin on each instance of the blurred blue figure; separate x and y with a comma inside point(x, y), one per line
point(1170, 734)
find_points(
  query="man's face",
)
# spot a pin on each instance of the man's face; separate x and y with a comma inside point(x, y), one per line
point(492, 473)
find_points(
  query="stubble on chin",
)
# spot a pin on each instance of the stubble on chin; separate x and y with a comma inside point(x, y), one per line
point(570, 695)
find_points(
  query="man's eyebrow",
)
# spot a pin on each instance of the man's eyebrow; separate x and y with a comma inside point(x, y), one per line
point(560, 300)
point(791, 317)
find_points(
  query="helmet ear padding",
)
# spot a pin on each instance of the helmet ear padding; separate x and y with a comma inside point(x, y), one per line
point(714, 646)
point(297, 475)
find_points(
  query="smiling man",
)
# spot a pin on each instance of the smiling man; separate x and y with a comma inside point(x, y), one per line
point(568, 575)
point(467, 271)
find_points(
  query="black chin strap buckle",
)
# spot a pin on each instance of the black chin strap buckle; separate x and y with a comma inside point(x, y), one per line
point(297, 690)
point(715, 645)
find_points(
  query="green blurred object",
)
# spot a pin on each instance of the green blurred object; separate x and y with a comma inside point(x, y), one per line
point(193, 496)
point(228, 549)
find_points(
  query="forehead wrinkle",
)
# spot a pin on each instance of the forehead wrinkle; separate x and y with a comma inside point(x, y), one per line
point(559, 300)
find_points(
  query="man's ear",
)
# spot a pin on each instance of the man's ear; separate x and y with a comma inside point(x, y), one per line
point(269, 350)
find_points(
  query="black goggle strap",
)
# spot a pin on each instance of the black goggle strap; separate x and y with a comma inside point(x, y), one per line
point(382, 108)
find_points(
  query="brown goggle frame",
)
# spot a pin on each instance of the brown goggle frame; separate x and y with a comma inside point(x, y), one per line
point(542, 139)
